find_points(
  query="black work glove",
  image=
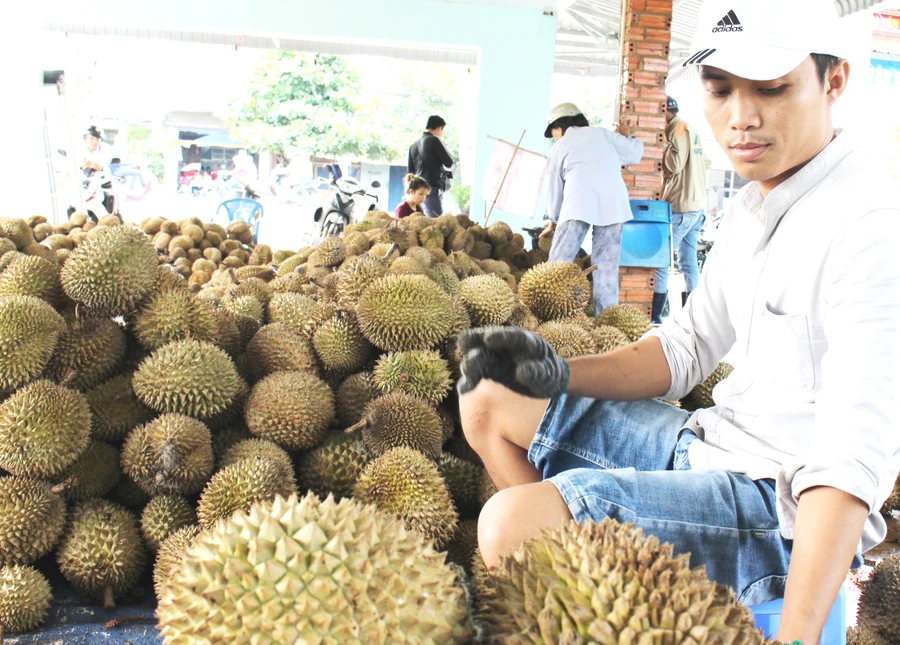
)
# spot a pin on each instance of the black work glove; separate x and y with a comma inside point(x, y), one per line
point(517, 359)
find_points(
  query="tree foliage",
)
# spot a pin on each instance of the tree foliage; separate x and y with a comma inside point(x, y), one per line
point(308, 101)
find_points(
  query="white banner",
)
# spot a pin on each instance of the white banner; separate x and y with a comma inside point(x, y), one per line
point(521, 191)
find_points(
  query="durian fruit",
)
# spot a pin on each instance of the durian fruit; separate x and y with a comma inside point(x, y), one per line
point(354, 279)
point(892, 503)
point(608, 338)
point(29, 275)
point(567, 340)
point(701, 396)
point(29, 331)
point(225, 438)
point(129, 495)
point(171, 554)
point(238, 486)
point(32, 518)
point(404, 482)
point(259, 448)
point(400, 419)
point(24, 599)
point(404, 312)
point(487, 489)
point(112, 271)
point(94, 473)
point(293, 409)
point(522, 317)
point(340, 345)
point(862, 636)
point(445, 277)
point(283, 569)
point(164, 515)
point(608, 583)
point(247, 306)
point(633, 322)
point(292, 309)
point(170, 455)
point(488, 299)
point(278, 347)
point(406, 266)
point(352, 397)
point(464, 482)
point(554, 290)
point(115, 410)
point(333, 467)
point(172, 315)
point(880, 598)
point(422, 373)
point(87, 353)
point(187, 377)
point(44, 428)
point(463, 547)
point(102, 553)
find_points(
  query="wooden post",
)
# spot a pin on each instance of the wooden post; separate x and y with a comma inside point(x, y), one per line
point(503, 181)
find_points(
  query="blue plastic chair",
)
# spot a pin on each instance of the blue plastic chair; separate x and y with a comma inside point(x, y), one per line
point(768, 615)
point(246, 209)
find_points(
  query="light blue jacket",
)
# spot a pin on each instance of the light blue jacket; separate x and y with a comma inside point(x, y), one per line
point(584, 176)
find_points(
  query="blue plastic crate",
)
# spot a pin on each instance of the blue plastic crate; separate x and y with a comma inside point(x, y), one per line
point(646, 240)
point(768, 616)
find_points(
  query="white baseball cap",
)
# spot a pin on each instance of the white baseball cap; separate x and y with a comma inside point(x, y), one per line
point(560, 111)
point(761, 40)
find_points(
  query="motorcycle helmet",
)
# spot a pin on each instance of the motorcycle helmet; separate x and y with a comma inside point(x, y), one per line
point(93, 131)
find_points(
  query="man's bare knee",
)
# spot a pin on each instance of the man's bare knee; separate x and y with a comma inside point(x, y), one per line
point(517, 514)
point(475, 414)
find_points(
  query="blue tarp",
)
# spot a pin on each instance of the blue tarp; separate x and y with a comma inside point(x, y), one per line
point(75, 620)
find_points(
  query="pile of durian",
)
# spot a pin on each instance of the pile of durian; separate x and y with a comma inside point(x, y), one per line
point(276, 434)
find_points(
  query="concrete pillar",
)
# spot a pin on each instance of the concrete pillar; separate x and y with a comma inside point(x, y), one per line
point(24, 163)
point(645, 36)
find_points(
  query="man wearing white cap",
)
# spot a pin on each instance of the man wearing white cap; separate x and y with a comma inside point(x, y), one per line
point(776, 489)
point(586, 192)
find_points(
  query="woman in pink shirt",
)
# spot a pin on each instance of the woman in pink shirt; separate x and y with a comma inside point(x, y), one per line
point(417, 190)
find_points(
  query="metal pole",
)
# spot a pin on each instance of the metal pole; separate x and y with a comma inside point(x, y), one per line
point(503, 181)
point(61, 88)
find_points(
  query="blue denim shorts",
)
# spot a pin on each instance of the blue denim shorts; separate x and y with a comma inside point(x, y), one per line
point(629, 461)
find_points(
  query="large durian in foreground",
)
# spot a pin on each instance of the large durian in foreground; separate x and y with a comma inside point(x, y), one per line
point(555, 290)
point(112, 271)
point(880, 600)
point(607, 583)
point(282, 573)
point(24, 599)
point(102, 554)
point(404, 312)
point(404, 482)
point(29, 331)
point(44, 428)
point(187, 377)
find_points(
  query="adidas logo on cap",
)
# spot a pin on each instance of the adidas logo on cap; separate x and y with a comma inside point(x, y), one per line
point(729, 22)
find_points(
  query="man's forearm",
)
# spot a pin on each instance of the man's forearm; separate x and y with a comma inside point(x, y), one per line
point(826, 533)
point(638, 371)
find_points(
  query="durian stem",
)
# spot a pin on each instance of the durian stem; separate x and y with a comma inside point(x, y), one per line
point(231, 275)
point(108, 600)
point(124, 620)
point(1, 634)
point(589, 270)
point(358, 426)
point(71, 374)
point(393, 247)
point(63, 486)
point(124, 395)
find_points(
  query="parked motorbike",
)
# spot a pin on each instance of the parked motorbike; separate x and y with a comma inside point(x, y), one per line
point(101, 192)
point(333, 218)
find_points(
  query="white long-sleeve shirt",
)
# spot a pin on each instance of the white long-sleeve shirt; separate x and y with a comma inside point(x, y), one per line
point(584, 176)
point(805, 286)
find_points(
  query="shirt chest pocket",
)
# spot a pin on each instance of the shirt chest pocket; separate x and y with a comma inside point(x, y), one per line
point(782, 352)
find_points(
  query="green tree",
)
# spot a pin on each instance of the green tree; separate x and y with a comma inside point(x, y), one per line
point(309, 101)
point(141, 146)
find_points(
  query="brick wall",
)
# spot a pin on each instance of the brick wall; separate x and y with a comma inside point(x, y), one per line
point(645, 34)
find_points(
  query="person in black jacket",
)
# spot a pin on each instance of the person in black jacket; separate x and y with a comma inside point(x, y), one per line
point(428, 158)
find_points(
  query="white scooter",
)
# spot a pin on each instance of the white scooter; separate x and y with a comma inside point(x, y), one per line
point(100, 192)
point(338, 214)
